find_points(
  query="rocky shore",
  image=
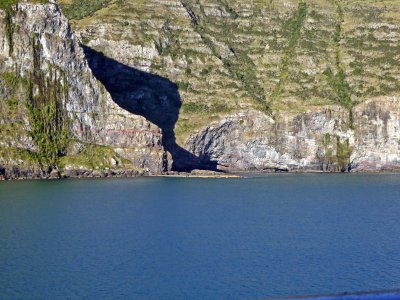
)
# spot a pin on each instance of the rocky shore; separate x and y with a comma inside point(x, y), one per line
point(15, 173)
point(23, 174)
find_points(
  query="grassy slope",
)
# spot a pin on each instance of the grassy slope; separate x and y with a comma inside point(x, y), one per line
point(6, 4)
point(79, 9)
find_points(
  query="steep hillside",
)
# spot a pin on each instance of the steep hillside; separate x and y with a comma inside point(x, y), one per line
point(277, 84)
point(54, 115)
point(145, 86)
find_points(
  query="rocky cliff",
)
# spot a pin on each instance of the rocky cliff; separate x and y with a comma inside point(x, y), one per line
point(264, 85)
point(54, 114)
point(316, 140)
point(146, 86)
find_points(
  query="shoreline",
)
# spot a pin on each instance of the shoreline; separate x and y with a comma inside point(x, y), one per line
point(200, 174)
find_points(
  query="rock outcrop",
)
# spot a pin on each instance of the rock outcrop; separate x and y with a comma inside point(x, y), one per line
point(38, 47)
point(313, 141)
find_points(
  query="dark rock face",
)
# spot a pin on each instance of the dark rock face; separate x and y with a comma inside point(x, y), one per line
point(141, 93)
point(7, 173)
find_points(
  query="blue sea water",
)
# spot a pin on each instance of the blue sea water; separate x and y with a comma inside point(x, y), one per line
point(175, 238)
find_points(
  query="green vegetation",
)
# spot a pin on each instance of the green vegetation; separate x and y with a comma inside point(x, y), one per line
point(7, 4)
point(10, 79)
point(337, 153)
point(338, 81)
point(80, 9)
point(184, 86)
point(47, 115)
point(343, 154)
point(206, 71)
point(293, 27)
point(169, 44)
point(12, 125)
point(9, 27)
point(239, 65)
point(12, 106)
point(340, 87)
point(21, 156)
point(243, 69)
point(276, 56)
point(94, 157)
point(191, 107)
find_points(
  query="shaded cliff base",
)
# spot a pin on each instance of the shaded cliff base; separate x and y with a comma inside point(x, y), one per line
point(21, 173)
point(153, 97)
point(83, 161)
point(15, 173)
point(31, 173)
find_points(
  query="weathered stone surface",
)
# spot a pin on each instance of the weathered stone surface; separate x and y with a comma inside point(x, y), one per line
point(309, 85)
point(253, 141)
point(327, 70)
point(377, 135)
point(95, 117)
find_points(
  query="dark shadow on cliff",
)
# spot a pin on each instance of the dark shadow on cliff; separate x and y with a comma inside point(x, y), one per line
point(154, 97)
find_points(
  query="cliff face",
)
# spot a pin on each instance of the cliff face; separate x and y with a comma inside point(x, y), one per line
point(277, 85)
point(147, 86)
point(54, 114)
point(318, 140)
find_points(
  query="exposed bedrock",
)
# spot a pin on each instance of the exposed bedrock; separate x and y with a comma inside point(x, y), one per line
point(40, 52)
point(318, 140)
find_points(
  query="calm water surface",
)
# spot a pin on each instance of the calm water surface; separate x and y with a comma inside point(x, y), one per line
point(171, 238)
